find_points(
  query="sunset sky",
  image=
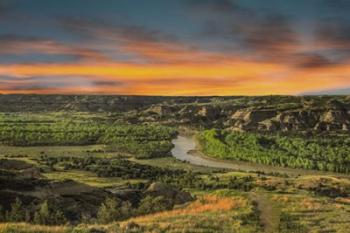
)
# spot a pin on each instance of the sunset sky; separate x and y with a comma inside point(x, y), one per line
point(175, 47)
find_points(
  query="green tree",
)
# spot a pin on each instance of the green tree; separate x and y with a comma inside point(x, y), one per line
point(17, 213)
point(47, 215)
point(42, 216)
point(58, 218)
point(154, 204)
point(2, 217)
point(109, 211)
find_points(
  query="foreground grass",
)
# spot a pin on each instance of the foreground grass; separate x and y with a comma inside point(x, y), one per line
point(28, 228)
point(226, 211)
point(305, 213)
point(209, 213)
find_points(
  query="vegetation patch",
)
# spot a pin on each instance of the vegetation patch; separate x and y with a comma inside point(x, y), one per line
point(326, 154)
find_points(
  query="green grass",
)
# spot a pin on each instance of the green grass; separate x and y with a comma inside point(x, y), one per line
point(90, 178)
point(172, 163)
point(314, 214)
point(32, 154)
point(34, 151)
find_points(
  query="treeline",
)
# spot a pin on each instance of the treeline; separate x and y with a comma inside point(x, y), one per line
point(114, 209)
point(326, 154)
point(111, 167)
point(123, 168)
point(191, 180)
point(42, 214)
point(111, 209)
point(144, 141)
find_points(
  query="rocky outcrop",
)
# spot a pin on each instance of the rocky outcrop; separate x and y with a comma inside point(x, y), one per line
point(249, 119)
point(335, 118)
point(171, 193)
point(296, 120)
point(159, 110)
point(208, 112)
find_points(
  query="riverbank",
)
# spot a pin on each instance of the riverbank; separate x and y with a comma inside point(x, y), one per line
point(186, 148)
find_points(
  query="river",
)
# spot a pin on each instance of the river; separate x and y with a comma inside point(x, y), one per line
point(185, 150)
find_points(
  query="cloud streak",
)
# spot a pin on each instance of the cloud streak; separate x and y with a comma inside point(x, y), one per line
point(150, 46)
point(13, 44)
point(239, 78)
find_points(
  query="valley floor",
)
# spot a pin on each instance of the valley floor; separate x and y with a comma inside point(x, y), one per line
point(60, 174)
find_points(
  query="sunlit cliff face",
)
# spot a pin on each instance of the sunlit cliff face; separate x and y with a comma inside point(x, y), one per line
point(185, 47)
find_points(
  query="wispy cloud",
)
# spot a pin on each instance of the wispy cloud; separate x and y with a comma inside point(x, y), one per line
point(142, 44)
point(340, 91)
point(14, 44)
point(59, 84)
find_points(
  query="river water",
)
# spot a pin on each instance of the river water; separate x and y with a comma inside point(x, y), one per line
point(185, 150)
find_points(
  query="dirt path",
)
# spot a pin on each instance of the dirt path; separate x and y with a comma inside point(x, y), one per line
point(269, 213)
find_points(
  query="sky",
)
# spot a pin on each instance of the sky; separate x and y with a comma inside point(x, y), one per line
point(175, 47)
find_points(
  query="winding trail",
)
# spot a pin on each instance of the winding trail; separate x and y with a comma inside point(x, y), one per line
point(185, 149)
point(268, 212)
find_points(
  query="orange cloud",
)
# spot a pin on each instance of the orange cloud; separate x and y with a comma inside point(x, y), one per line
point(143, 71)
point(221, 78)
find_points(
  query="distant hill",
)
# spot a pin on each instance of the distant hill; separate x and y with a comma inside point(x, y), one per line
point(259, 113)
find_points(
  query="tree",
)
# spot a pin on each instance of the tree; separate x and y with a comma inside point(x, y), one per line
point(154, 204)
point(86, 218)
point(109, 211)
point(2, 217)
point(17, 213)
point(126, 209)
point(27, 217)
point(47, 216)
point(58, 217)
point(43, 215)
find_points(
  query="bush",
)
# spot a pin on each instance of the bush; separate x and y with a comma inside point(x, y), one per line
point(113, 209)
point(17, 212)
point(48, 216)
point(154, 204)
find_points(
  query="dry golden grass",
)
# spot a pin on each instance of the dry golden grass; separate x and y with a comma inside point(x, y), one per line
point(270, 181)
point(310, 204)
point(206, 204)
point(343, 200)
point(314, 181)
point(281, 198)
point(211, 213)
point(28, 228)
point(306, 203)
